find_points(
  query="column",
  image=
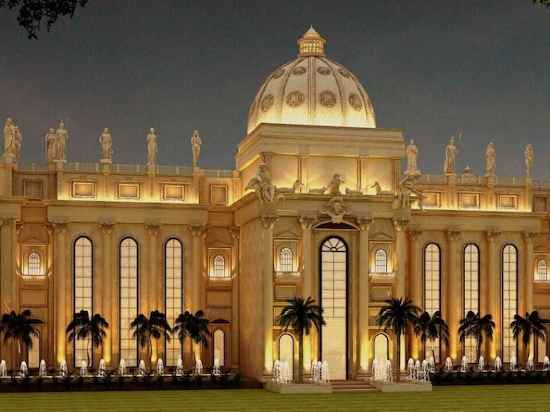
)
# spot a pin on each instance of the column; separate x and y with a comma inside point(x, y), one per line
point(106, 297)
point(235, 233)
point(268, 223)
point(364, 344)
point(492, 297)
point(415, 284)
point(306, 223)
point(526, 283)
point(453, 288)
point(198, 232)
point(60, 282)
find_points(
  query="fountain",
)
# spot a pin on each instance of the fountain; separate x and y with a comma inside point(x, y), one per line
point(325, 377)
point(381, 370)
point(216, 370)
point(481, 363)
point(122, 367)
point(431, 364)
point(410, 369)
point(3, 369)
point(513, 363)
point(315, 372)
point(448, 364)
point(160, 367)
point(83, 368)
point(179, 367)
point(464, 364)
point(198, 367)
point(417, 370)
point(101, 369)
point(142, 370)
point(43, 369)
point(63, 371)
point(546, 364)
point(531, 363)
point(24, 370)
point(276, 372)
point(498, 364)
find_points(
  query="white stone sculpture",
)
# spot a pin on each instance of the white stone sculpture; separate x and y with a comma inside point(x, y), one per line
point(3, 369)
point(498, 364)
point(546, 363)
point(529, 155)
point(412, 156)
point(334, 186)
point(464, 364)
point(63, 370)
point(142, 370)
point(407, 188)
point(61, 140)
point(450, 157)
point(261, 184)
point(179, 367)
point(531, 363)
point(43, 369)
point(448, 364)
point(10, 141)
point(152, 148)
point(513, 363)
point(122, 367)
point(106, 143)
point(410, 369)
point(490, 160)
point(198, 367)
point(160, 367)
point(83, 368)
point(101, 369)
point(336, 209)
point(24, 370)
point(481, 363)
point(18, 142)
point(50, 143)
point(196, 143)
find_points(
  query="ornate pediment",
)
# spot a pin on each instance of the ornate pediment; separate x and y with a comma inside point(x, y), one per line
point(336, 209)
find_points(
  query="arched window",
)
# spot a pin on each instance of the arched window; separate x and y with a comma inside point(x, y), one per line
point(33, 264)
point(128, 293)
point(509, 299)
point(471, 293)
point(286, 258)
point(286, 352)
point(432, 290)
point(173, 294)
point(381, 347)
point(83, 290)
point(542, 270)
point(219, 347)
point(218, 267)
point(381, 261)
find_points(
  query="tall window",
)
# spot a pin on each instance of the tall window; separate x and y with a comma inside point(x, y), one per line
point(173, 295)
point(509, 299)
point(218, 267)
point(471, 294)
point(432, 290)
point(286, 352)
point(128, 299)
point(33, 267)
point(286, 258)
point(219, 347)
point(542, 270)
point(381, 261)
point(83, 290)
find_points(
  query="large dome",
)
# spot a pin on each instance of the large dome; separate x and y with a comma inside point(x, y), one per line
point(312, 90)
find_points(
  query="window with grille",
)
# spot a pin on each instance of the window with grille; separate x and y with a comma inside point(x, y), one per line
point(128, 276)
point(432, 290)
point(83, 291)
point(381, 261)
point(286, 258)
point(174, 295)
point(33, 264)
point(509, 300)
point(542, 270)
point(471, 294)
point(218, 267)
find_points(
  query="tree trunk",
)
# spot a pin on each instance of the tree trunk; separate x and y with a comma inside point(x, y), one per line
point(88, 348)
point(300, 358)
point(398, 362)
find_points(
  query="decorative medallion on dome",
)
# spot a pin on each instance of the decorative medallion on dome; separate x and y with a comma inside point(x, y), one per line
point(267, 102)
point(327, 98)
point(325, 71)
point(355, 101)
point(344, 72)
point(295, 98)
point(278, 73)
point(299, 70)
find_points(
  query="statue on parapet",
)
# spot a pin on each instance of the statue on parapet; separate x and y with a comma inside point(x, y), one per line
point(490, 160)
point(50, 143)
point(529, 155)
point(262, 185)
point(407, 189)
point(152, 148)
point(106, 143)
point(61, 139)
point(451, 152)
point(196, 143)
point(412, 159)
point(12, 141)
point(334, 185)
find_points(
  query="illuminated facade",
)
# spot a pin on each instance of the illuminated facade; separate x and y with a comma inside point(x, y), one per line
point(317, 205)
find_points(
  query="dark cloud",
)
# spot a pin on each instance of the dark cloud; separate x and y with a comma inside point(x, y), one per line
point(431, 67)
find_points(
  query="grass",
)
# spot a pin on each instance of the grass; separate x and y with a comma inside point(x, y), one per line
point(523, 398)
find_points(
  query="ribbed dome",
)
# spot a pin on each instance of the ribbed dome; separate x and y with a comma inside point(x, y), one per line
point(312, 90)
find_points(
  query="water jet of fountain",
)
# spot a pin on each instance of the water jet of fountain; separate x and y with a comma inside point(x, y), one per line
point(325, 377)
point(160, 367)
point(546, 363)
point(198, 367)
point(24, 370)
point(216, 370)
point(3, 369)
point(464, 364)
point(43, 369)
point(63, 370)
point(122, 367)
point(481, 363)
point(101, 369)
point(142, 370)
point(513, 363)
point(179, 367)
point(448, 364)
point(498, 364)
point(83, 368)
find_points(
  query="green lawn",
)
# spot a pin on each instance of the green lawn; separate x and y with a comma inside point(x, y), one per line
point(523, 398)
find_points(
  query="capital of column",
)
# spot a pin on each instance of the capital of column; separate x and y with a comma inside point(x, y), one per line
point(414, 233)
point(529, 236)
point(59, 225)
point(268, 221)
point(197, 230)
point(235, 232)
point(306, 221)
point(153, 229)
point(400, 224)
point(453, 234)
point(493, 234)
point(106, 226)
point(364, 222)
point(6, 221)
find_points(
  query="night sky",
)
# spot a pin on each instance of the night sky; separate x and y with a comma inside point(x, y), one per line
point(430, 67)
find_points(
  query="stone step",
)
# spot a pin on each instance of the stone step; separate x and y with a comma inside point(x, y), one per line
point(351, 386)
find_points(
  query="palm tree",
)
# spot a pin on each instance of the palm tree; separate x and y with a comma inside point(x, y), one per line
point(431, 327)
point(530, 326)
point(194, 327)
point(148, 328)
point(83, 327)
point(473, 325)
point(299, 315)
point(19, 327)
point(399, 314)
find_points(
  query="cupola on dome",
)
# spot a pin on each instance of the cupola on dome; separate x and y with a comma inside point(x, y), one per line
point(312, 90)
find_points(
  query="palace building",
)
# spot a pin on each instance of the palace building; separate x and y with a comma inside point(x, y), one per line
point(317, 205)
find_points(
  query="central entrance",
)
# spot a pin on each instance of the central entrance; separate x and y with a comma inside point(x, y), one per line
point(334, 265)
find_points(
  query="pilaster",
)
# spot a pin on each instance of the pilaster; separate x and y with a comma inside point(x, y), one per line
point(235, 234)
point(364, 344)
point(491, 299)
point(106, 279)
point(306, 222)
point(415, 284)
point(60, 284)
point(453, 293)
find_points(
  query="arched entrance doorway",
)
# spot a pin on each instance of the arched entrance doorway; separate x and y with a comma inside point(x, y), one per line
point(381, 347)
point(333, 298)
